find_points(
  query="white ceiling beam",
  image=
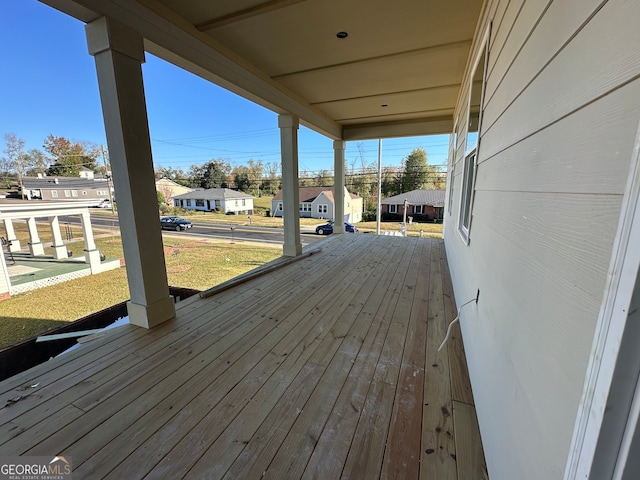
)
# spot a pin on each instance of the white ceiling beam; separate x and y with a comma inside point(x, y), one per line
point(428, 126)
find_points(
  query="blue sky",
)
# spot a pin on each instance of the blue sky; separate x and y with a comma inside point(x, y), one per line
point(48, 86)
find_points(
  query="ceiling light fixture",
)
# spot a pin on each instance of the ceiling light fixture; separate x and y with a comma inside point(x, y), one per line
point(342, 35)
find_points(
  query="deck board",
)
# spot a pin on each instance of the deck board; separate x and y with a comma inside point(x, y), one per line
point(438, 447)
point(324, 368)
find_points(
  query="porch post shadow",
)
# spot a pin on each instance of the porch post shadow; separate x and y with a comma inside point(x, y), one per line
point(119, 53)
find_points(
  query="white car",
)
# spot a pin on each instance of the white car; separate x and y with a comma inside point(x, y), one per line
point(104, 203)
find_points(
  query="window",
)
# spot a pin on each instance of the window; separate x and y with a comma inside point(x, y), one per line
point(199, 203)
point(84, 192)
point(236, 203)
point(67, 193)
point(243, 202)
point(54, 193)
point(305, 207)
point(188, 202)
point(280, 206)
point(417, 209)
point(74, 193)
point(393, 208)
point(472, 145)
point(322, 208)
point(467, 194)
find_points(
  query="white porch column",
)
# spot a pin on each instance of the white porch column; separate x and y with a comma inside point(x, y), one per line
point(5, 281)
point(35, 245)
point(119, 53)
point(58, 246)
point(11, 236)
point(338, 186)
point(290, 191)
point(91, 252)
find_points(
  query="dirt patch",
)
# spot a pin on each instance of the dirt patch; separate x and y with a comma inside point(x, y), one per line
point(172, 250)
point(179, 269)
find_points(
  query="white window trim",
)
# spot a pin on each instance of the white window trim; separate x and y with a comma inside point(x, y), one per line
point(393, 208)
point(418, 209)
point(470, 166)
point(451, 177)
point(466, 195)
point(54, 193)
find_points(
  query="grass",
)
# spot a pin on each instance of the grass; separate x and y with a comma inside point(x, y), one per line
point(191, 264)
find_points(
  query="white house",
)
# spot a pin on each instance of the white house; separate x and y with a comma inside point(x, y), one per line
point(542, 214)
point(215, 199)
point(318, 202)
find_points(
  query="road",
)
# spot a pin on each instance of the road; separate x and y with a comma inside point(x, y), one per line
point(239, 232)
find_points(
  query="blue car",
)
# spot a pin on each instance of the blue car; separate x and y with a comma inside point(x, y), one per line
point(327, 228)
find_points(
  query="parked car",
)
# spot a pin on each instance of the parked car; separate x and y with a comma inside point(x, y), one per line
point(104, 203)
point(175, 223)
point(327, 228)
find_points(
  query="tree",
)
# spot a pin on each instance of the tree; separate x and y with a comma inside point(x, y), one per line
point(176, 175)
point(68, 157)
point(416, 173)
point(256, 172)
point(16, 160)
point(38, 162)
point(241, 178)
point(391, 181)
point(323, 178)
point(271, 182)
point(213, 174)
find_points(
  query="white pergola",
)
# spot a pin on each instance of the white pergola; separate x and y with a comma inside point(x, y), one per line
point(30, 212)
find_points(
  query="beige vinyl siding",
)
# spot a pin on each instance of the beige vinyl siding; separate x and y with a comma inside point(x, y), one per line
point(561, 113)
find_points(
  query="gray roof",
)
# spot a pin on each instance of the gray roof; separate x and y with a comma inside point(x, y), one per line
point(434, 198)
point(62, 182)
point(213, 194)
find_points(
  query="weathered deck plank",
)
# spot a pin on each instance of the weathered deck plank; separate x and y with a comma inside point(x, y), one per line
point(325, 368)
point(438, 446)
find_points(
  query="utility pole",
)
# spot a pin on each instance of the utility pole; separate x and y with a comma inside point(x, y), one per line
point(379, 201)
point(108, 173)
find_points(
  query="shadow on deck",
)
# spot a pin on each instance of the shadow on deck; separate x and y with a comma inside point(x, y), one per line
point(325, 368)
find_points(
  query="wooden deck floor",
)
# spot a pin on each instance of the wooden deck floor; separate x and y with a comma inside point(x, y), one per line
point(326, 368)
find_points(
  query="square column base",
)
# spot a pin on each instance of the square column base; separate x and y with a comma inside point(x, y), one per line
point(15, 245)
point(292, 250)
point(148, 316)
point(59, 251)
point(92, 257)
point(36, 249)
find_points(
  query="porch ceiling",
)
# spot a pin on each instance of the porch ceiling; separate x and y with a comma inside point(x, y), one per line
point(397, 73)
